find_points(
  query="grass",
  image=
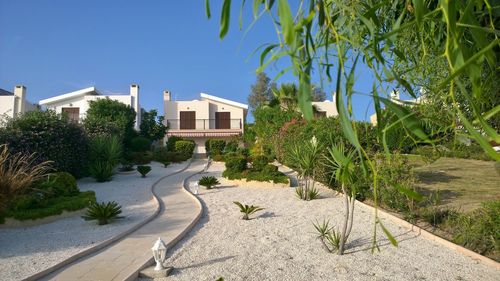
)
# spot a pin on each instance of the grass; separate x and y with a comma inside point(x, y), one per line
point(463, 183)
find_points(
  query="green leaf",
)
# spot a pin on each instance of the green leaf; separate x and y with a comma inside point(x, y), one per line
point(388, 234)
point(479, 138)
point(286, 20)
point(265, 52)
point(419, 10)
point(225, 18)
point(304, 97)
point(409, 192)
point(207, 8)
point(407, 118)
point(256, 5)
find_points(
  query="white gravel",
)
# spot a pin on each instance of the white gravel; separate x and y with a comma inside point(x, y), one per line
point(280, 244)
point(25, 251)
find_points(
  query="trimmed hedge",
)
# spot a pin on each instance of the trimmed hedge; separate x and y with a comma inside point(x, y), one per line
point(236, 164)
point(171, 142)
point(185, 148)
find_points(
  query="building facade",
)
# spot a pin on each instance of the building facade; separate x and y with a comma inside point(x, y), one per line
point(199, 120)
point(76, 103)
point(13, 104)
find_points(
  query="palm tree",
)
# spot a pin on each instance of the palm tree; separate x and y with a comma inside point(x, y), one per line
point(342, 163)
point(286, 95)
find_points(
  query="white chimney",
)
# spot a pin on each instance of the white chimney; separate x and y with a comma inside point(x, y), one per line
point(167, 96)
point(134, 93)
point(20, 94)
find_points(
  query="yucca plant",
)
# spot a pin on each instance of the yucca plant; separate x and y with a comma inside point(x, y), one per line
point(311, 194)
point(305, 157)
point(208, 182)
point(247, 210)
point(144, 170)
point(17, 172)
point(105, 154)
point(329, 237)
point(104, 213)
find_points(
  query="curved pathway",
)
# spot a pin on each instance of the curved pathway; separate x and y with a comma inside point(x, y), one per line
point(122, 260)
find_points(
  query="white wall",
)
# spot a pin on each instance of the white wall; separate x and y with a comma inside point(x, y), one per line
point(326, 106)
point(7, 106)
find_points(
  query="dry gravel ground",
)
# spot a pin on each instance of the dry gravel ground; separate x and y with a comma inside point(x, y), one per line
point(25, 251)
point(280, 244)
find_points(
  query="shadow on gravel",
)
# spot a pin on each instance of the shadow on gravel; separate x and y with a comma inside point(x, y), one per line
point(201, 264)
point(365, 244)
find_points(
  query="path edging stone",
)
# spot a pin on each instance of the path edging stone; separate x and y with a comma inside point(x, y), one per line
point(110, 240)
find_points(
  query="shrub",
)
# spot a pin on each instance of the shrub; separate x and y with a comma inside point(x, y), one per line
point(140, 144)
point(243, 151)
point(58, 184)
point(166, 163)
point(31, 207)
point(185, 148)
point(127, 166)
point(171, 142)
point(103, 112)
point(329, 237)
point(267, 174)
point(247, 210)
point(219, 158)
point(231, 146)
point(259, 162)
point(177, 157)
point(161, 154)
point(310, 194)
point(105, 154)
point(104, 213)
point(215, 146)
point(208, 182)
point(479, 230)
point(144, 170)
point(234, 175)
point(52, 137)
point(152, 126)
point(17, 172)
point(142, 158)
point(236, 164)
point(436, 216)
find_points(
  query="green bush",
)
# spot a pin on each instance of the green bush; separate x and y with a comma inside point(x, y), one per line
point(185, 148)
point(161, 154)
point(234, 175)
point(52, 137)
point(142, 158)
point(219, 158)
point(267, 174)
point(105, 154)
point(29, 207)
point(208, 182)
point(236, 164)
point(144, 170)
point(58, 184)
point(171, 142)
point(259, 162)
point(436, 216)
point(479, 230)
point(104, 213)
point(231, 146)
point(140, 144)
point(215, 146)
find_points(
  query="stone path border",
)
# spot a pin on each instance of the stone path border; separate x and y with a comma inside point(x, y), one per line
point(424, 233)
point(112, 239)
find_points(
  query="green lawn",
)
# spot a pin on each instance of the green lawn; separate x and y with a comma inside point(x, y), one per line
point(463, 183)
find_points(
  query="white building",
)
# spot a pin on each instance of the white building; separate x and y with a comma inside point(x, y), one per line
point(13, 104)
point(325, 108)
point(76, 103)
point(199, 120)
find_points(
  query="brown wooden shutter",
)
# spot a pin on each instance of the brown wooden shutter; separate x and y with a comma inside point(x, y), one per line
point(187, 120)
point(223, 120)
point(72, 112)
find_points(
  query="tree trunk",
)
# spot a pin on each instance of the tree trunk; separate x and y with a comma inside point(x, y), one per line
point(352, 200)
point(346, 220)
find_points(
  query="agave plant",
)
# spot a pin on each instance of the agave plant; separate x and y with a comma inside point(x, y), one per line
point(247, 210)
point(144, 170)
point(104, 213)
point(208, 182)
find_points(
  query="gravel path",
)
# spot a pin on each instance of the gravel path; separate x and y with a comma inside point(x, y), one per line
point(25, 251)
point(280, 244)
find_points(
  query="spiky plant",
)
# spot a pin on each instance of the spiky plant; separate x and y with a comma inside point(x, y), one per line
point(329, 237)
point(310, 194)
point(105, 154)
point(104, 213)
point(17, 172)
point(166, 163)
point(208, 182)
point(144, 170)
point(247, 210)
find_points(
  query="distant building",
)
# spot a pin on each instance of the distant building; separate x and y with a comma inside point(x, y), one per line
point(395, 98)
point(13, 104)
point(199, 120)
point(76, 103)
point(324, 109)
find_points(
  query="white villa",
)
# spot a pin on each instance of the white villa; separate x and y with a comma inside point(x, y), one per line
point(12, 104)
point(199, 120)
point(76, 103)
point(396, 99)
point(325, 108)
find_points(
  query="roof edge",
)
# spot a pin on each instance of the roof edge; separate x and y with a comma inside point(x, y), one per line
point(233, 103)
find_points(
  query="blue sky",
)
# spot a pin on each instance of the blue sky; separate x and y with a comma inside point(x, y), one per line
point(54, 47)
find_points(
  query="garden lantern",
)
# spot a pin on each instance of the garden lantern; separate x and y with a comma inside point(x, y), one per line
point(196, 188)
point(159, 253)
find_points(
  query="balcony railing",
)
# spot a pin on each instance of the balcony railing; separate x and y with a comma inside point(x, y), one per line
point(205, 124)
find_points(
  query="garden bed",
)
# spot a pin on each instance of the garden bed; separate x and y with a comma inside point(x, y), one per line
point(28, 250)
point(279, 243)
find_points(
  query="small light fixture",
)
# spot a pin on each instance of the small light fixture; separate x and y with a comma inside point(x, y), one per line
point(196, 188)
point(159, 254)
